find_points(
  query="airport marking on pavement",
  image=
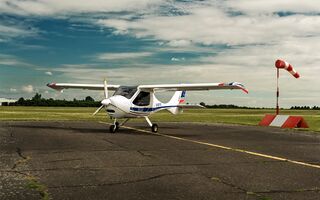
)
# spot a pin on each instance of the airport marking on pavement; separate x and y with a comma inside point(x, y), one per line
point(225, 147)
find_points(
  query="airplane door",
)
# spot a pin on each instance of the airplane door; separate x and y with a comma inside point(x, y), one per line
point(142, 99)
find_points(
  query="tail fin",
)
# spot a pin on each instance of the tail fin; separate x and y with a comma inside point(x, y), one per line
point(177, 98)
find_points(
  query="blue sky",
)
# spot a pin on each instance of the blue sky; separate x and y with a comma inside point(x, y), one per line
point(160, 41)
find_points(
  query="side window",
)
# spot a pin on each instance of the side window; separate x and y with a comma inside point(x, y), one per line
point(143, 99)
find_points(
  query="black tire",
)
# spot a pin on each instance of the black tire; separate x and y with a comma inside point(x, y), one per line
point(113, 129)
point(154, 128)
point(117, 126)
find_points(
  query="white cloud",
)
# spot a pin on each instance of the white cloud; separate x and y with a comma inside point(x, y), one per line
point(208, 25)
point(28, 88)
point(254, 7)
point(10, 31)
point(179, 43)
point(69, 7)
point(48, 73)
point(11, 60)
point(13, 90)
point(177, 59)
point(119, 56)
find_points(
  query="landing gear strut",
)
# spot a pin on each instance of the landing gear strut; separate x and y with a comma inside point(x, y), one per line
point(154, 127)
point(116, 125)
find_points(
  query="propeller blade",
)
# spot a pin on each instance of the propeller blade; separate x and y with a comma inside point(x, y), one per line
point(105, 89)
point(97, 110)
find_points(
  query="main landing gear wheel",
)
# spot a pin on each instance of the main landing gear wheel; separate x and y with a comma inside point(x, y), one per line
point(117, 126)
point(113, 128)
point(154, 128)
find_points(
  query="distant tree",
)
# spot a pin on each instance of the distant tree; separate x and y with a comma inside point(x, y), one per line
point(21, 101)
point(88, 98)
point(202, 104)
point(36, 97)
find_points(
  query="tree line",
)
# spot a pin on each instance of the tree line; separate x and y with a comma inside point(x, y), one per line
point(37, 100)
point(305, 108)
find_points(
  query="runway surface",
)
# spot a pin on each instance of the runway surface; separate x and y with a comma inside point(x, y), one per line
point(81, 160)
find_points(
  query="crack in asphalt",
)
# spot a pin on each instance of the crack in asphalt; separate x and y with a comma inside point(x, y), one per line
point(32, 182)
point(260, 194)
point(315, 189)
point(219, 180)
point(123, 182)
point(243, 190)
point(113, 143)
point(21, 161)
point(64, 160)
point(144, 153)
point(19, 152)
point(130, 166)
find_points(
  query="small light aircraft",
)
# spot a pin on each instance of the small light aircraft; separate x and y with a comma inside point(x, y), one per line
point(140, 101)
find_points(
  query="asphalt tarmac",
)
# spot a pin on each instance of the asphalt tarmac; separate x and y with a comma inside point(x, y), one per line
point(81, 160)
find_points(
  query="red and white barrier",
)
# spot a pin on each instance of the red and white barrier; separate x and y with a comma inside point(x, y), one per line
point(284, 121)
point(280, 64)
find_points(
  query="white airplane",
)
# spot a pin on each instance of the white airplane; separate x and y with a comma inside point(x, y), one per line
point(140, 101)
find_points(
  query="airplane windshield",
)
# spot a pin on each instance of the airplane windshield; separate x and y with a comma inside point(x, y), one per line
point(126, 91)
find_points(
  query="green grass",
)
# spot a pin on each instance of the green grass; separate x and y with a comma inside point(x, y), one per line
point(34, 184)
point(230, 116)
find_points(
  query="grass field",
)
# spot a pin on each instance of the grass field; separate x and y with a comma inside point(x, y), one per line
point(230, 116)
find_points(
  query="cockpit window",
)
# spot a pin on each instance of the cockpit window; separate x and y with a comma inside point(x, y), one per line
point(143, 99)
point(126, 91)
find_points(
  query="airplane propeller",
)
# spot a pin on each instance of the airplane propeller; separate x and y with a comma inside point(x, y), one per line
point(105, 89)
point(105, 102)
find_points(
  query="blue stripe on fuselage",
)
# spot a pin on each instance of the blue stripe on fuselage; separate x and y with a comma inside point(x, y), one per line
point(149, 109)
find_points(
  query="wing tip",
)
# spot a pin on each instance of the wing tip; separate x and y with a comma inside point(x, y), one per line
point(53, 86)
point(245, 90)
point(240, 86)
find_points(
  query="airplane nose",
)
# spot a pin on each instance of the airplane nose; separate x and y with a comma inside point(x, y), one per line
point(105, 102)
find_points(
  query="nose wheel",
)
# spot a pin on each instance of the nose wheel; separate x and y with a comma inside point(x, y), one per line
point(114, 127)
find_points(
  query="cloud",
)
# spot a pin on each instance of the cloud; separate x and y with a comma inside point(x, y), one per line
point(69, 7)
point(204, 28)
point(28, 88)
point(48, 73)
point(119, 56)
point(13, 90)
point(14, 61)
point(177, 59)
point(258, 7)
point(8, 31)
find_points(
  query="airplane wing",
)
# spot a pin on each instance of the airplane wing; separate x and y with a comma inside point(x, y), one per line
point(62, 86)
point(194, 86)
point(190, 106)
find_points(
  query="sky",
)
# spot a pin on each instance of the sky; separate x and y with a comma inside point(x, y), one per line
point(132, 42)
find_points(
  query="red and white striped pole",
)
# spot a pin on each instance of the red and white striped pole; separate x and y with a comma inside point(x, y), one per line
point(280, 64)
point(277, 106)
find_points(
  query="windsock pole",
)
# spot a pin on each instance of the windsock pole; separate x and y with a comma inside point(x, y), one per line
point(280, 64)
point(277, 106)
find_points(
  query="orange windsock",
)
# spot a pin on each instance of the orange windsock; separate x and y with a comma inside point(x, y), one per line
point(284, 65)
